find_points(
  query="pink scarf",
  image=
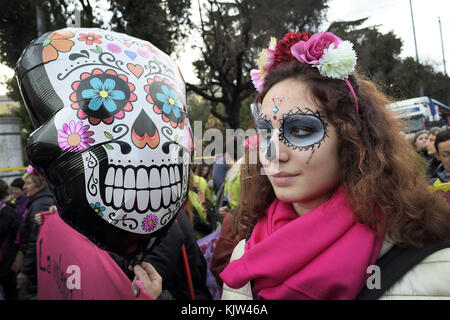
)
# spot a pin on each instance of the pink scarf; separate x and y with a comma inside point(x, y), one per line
point(323, 254)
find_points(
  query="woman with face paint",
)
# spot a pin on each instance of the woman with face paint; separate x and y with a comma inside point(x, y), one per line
point(338, 206)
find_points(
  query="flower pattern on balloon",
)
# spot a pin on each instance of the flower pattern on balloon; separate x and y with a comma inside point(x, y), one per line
point(102, 96)
point(54, 43)
point(150, 222)
point(166, 101)
point(74, 137)
point(90, 38)
point(114, 48)
point(98, 209)
point(103, 93)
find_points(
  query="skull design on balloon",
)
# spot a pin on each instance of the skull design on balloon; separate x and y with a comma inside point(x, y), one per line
point(113, 137)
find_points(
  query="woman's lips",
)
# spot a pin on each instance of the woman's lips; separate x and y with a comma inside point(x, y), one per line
point(283, 178)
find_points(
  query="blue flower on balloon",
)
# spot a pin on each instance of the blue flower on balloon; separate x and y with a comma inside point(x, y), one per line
point(102, 93)
point(97, 208)
point(171, 101)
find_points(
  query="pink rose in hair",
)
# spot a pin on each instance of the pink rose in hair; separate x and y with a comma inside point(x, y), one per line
point(312, 50)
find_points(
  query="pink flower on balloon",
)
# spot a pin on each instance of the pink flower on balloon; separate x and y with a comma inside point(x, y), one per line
point(312, 50)
point(114, 48)
point(143, 53)
point(149, 223)
point(74, 137)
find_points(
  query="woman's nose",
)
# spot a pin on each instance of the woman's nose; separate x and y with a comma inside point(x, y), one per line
point(276, 150)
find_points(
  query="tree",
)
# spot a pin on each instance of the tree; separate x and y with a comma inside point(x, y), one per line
point(163, 22)
point(378, 58)
point(19, 26)
point(160, 22)
point(378, 54)
point(233, 34)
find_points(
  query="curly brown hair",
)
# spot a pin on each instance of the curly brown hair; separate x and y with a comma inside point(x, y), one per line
point(380, 167)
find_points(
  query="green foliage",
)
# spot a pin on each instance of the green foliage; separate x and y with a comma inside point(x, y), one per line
point(163, 22)
point(378, 58)
point(18, 22)
point(233, 33)
point(160, 22)
point(199, 109)
point(18, 28)
point(245, 115)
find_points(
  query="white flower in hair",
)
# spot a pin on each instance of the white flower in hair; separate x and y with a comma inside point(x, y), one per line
point(338, 62)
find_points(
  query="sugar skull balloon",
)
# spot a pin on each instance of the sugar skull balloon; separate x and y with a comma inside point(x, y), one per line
point(113, 137)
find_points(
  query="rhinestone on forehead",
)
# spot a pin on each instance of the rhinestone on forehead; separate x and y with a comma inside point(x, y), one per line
point(276, 105)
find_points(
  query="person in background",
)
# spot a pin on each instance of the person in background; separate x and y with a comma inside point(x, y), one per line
point(40, 200)
point(419, 142)
point(232, 187)
point(201, 178)
point(442, 147)
point(19, 201)
point(433, 160)
point(229, 233)
point(219, 171)
point(204, 171)
point(196, 205)
point(9, 224)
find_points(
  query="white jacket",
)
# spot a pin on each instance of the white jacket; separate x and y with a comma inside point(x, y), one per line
point(430, 279)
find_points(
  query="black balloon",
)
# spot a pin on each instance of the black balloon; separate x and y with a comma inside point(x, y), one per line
point(112, 135)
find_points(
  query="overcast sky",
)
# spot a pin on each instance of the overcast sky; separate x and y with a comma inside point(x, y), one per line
point(390, 15)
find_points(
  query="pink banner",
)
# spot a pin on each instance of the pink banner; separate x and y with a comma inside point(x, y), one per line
point(207, 245)
point(70, 267)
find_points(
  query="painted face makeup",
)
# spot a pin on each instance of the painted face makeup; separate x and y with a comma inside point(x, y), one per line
point(276, 106)
point(303, 130)
point(305, 167)
point(299, 129)
point(266, 130)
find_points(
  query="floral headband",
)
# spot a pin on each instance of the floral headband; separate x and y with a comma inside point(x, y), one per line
point(333, 57)
point(32, 170)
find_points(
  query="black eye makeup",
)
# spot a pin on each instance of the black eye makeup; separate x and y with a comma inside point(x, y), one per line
point(265, 130)
point(303, 130)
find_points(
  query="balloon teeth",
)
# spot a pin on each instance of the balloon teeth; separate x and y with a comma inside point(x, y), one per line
point(142, 189)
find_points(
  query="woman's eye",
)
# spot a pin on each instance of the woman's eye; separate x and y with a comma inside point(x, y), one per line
point(299, 131)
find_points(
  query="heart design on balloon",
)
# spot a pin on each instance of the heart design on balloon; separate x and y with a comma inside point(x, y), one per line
point(132, 55)
point(136, 69)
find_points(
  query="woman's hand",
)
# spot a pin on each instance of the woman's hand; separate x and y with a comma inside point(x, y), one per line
point(39, 218)
point(149, 278)
point(224, 210)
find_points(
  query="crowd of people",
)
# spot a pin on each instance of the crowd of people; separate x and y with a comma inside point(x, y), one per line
point(343, 190)
point(431, 145)
point(20, 202)
point(213, 194)
point(213, 203)
point(335, 189)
